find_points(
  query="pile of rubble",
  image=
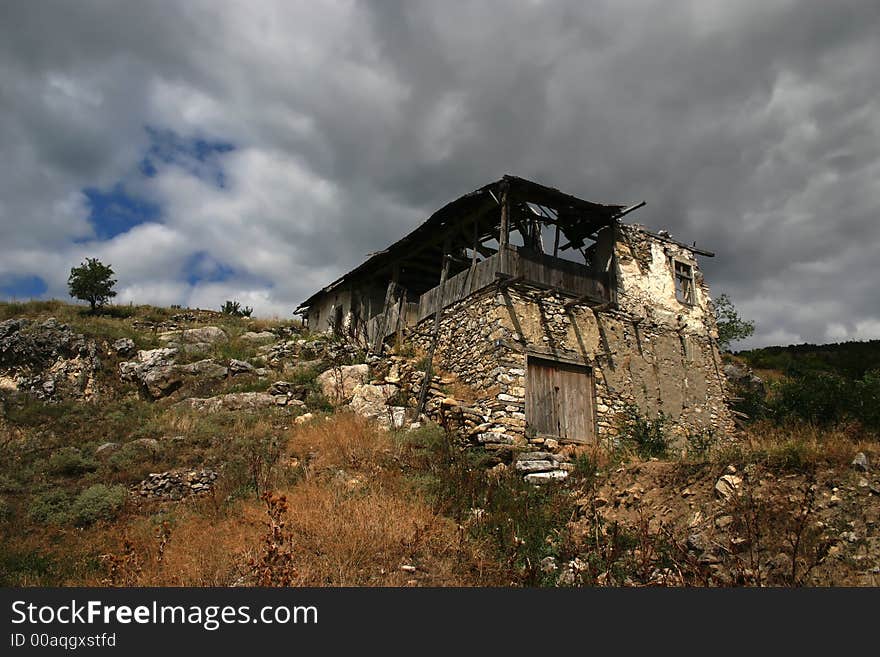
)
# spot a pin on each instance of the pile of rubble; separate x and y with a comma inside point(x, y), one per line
point(177, 484)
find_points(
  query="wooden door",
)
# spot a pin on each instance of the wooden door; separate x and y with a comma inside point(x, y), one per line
point(559, 400)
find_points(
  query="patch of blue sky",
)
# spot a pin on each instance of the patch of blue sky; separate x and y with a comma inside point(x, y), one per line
point(198, 156)
point(201, 267)
point(115, 211)
point(14, 286)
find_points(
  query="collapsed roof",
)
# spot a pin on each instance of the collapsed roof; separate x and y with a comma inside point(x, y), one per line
point(474, 220)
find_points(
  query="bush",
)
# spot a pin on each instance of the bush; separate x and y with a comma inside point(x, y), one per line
point(70, 461)
point(52, 507)
point(822, 398)
point(648, 437)
point(522, 523)
point(5, 511)
point(98, 502)
point(700, 443)
point(235, 309)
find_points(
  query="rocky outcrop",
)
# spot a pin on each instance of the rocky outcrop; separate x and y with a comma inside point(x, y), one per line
point(47, 360)
point(154, 371)
point(238, 401)
point(257, 337)
point(158, 376)
point(201, 335)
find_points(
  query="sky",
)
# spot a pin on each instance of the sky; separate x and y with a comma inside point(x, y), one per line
point(213, 150)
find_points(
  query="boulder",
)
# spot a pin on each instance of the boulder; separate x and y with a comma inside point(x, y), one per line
point(161, 381)
point(208, 334)
point(159, 376)
point(370, 400)
point(860, 462)
point(261, 336)
point(338, 383)
point(742, 378)
point(302, 419)
point(205, 369)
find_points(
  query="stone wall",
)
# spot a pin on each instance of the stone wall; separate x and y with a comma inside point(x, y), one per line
point(652, 351)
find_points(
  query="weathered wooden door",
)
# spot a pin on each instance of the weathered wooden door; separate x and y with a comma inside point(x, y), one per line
point(559, 400)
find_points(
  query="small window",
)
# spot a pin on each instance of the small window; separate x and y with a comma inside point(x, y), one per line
point(684, 282)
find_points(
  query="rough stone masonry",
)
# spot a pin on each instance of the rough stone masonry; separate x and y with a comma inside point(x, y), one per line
point(652, 352)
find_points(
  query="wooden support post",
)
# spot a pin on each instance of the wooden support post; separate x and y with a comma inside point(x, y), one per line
point(426, 382)
point(504, 235)
point(476, 241)
point(556, 242)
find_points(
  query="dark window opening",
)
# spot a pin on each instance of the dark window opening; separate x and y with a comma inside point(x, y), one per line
point(684, 282)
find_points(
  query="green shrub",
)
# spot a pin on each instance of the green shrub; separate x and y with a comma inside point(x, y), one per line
point(98, 502)
point(5, 511)
point(52, 507)
point(700, 443)
point(317, 401)
point(585, 467)
point(69, 461)
point(648, 437)
point(522, 523)
point(10, 485)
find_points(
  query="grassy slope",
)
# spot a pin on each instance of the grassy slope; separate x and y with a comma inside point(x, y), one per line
point(361, 503)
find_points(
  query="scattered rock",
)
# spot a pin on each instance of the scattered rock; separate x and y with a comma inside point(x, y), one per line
point(302, 419)
point(545, 477)
point(727, 486)
point(860, 462)
point(106, 449)
point(240, 367)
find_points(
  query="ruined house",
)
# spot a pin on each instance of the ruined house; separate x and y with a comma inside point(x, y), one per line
point(555, 312)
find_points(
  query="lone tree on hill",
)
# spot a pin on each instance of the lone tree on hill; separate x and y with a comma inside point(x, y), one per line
point(731, 326)
point(92, 281)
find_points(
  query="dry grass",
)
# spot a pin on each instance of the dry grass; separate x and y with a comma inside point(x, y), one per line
point(352, 521)
point(801, 445)
point(344, 440)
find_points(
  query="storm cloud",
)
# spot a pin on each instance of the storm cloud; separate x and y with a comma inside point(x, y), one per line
point(256, 151)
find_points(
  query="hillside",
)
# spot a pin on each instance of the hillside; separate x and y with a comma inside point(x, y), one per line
point(156, 446)
point(848, 359)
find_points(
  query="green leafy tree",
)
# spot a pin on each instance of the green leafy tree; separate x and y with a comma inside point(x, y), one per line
point(92, 281)
point(731, 326)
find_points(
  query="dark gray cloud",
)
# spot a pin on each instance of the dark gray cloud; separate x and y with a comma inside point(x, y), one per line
point(752, 128)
